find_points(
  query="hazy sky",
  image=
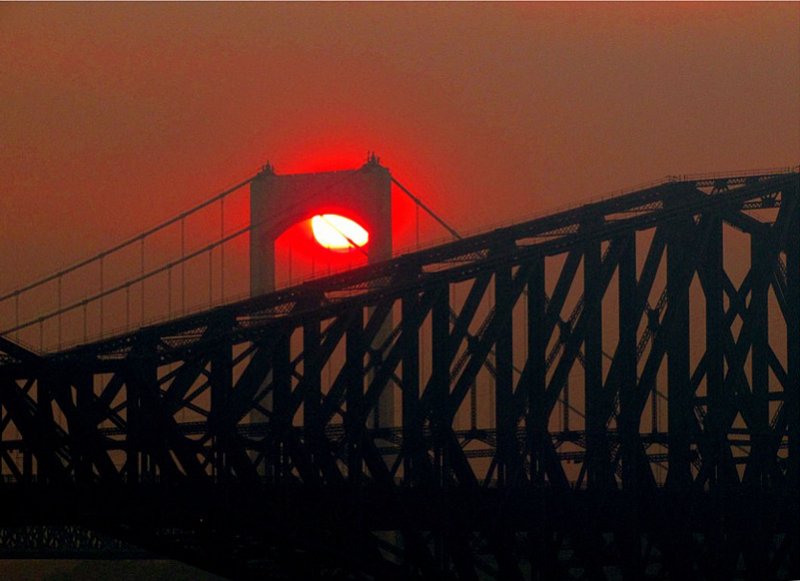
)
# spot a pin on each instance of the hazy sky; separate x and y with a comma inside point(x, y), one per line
point(116, 116)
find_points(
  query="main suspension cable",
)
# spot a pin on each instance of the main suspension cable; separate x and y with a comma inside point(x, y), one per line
point(139, 237)
point(430, 212)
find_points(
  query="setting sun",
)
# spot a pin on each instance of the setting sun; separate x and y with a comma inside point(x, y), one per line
point(338, 233)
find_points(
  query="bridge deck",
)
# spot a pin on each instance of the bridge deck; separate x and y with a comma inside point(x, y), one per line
point(609, 390)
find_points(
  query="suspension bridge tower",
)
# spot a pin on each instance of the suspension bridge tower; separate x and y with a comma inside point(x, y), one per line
point(277, 202)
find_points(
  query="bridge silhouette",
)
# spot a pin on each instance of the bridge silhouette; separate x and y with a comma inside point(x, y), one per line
point(609, 391)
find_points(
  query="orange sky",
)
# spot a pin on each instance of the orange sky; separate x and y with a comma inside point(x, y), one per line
point(117, 116)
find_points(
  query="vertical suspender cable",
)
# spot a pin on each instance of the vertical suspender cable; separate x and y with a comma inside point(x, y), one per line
point(16, 313)
point(59, 312)
point(101, 293)
point(169, 291)
point(222, 249)
point(133, 240)
point(416, 212)
point(210, 276)
point(100, 257)
point(183, 265)
point(142, 275)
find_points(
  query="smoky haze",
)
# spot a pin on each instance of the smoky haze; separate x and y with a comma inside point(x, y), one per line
point(116, 116)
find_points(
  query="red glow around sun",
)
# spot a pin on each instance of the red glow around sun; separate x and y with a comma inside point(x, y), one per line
point(338, 233)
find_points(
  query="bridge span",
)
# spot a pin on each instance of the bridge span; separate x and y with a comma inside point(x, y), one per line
point(607, 392)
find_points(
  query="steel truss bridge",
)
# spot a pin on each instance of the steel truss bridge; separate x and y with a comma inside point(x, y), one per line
point(607, 392)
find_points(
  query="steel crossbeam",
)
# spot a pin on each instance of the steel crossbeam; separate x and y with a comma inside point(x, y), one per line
point(670, 450)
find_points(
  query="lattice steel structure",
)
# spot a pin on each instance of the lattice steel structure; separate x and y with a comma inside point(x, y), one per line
point(607, 392)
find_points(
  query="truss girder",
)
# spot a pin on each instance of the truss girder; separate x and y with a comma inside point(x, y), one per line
point(636, 299)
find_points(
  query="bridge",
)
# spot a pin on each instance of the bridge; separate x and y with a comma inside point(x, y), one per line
point(605, 392)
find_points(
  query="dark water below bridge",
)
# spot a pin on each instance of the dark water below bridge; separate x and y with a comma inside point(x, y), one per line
point(83, 570)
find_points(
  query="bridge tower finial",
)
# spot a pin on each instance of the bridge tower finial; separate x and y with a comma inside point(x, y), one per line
point(268, 169)
point(372, 160)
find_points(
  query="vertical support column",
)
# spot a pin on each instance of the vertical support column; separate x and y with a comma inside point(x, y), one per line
point(680, 250)
point(759, 313)
point(353, 423)
point(596, 451)
point(221, 386)
point(312, 375)
point(281, 393)
point(722, 474)
point(679, 241)
point(792, 393)
point(83, 400)
point(629, 418)
point(383, 415)
point(44, 422)
point(441, 356)
point(412, 422)
point(715, 340)
point(143, 432)
point(505, 418)
point(536, 419)
point(509, 473)
point(134, 419)
point(150, 439)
